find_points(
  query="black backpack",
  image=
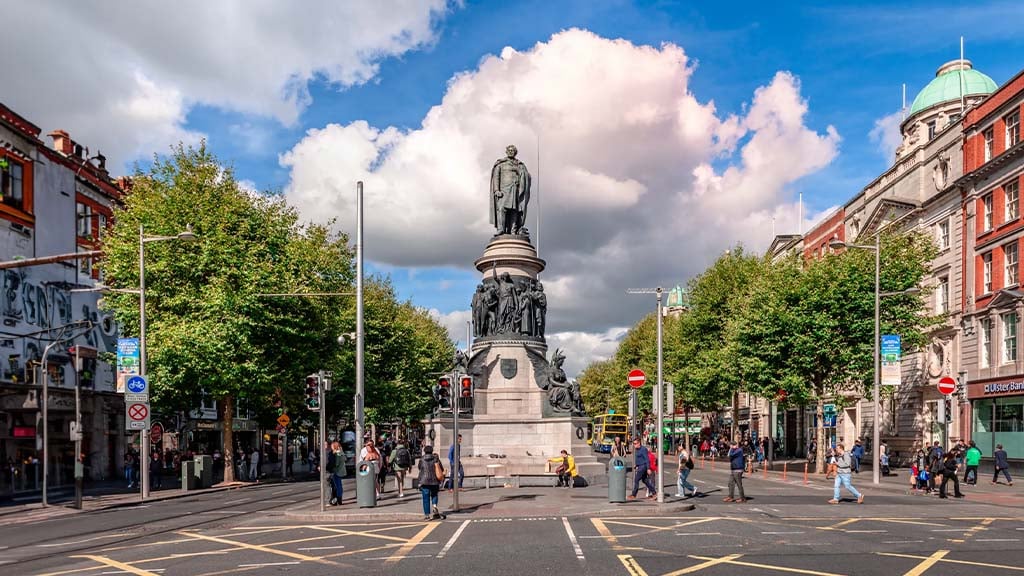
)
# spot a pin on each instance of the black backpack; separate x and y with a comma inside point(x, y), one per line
point(689, 463)
point(403, 459)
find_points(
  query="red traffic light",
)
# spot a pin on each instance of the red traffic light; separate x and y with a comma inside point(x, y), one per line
point(444, 383)
point(467, 387)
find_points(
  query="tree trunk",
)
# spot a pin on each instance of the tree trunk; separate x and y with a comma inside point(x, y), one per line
point(228, 425)
point(819, 435)
point(735, 417)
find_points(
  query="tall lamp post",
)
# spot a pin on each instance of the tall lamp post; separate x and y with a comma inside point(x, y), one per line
point(876, 439)
point(187, 236)
point(659, 392)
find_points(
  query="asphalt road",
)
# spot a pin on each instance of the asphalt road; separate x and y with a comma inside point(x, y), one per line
point(781, 530)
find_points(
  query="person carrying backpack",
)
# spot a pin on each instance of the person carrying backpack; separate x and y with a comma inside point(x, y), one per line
point(401, 461)
point(971, 460)
point(685, 466)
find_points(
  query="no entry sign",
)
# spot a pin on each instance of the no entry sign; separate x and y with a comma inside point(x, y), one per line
point(947, 385)
point(636, 378)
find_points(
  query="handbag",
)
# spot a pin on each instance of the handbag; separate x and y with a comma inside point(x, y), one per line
point(439, 472)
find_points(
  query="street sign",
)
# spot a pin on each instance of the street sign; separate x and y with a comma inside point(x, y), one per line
point(136, 389)
point(283, 420)
point(136, 415)
point(636, 378)
point(156, 432)
point(947, 385)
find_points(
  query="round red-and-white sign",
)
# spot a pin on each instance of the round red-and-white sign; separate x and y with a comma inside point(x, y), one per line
point(947, 385)
point(636, 378)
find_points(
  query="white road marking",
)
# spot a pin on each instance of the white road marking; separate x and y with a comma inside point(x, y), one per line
point(236, 501)
point(902, 541)
point(722, 487)
point(403, 557)
point(223, 512)
point(997, 540)
point(950, 530)
point(451, 541)
point(276, 492)
point(267, 564)
point(572, 538)
point(78, 541)
point(781, 532)
point(865, 531)
point(278, 501)
point(322, 548)
point(698, 533)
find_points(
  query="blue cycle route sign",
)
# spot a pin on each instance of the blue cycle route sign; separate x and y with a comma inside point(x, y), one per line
point(136, 384)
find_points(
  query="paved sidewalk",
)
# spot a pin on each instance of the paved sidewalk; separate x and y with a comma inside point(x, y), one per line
point(496, 502)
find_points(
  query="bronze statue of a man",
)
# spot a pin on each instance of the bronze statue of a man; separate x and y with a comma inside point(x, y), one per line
point(510, 193)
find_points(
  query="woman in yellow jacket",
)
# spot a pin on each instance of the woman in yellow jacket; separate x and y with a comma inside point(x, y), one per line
point(566, 469)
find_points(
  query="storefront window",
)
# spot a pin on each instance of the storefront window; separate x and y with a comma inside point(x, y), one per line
point(1000, 421)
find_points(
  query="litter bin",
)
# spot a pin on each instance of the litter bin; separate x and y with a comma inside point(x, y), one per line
point(366, 484)
point(188, 475)
point(616, 480)
point(204, 471)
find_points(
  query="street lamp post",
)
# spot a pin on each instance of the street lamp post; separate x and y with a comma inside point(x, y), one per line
point(659, 393)
point(187, 236)
point(876, 438)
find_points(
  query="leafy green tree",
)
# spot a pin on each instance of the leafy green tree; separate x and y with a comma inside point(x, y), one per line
point(807, 328)
point(599, 388)
point(210, 329)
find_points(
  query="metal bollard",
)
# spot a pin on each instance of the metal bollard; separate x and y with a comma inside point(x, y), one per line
point(785, 466)
point(805, 472)
point(764, 468)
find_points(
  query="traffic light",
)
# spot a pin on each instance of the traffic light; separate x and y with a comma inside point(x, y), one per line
point(313, 392)
point(949, 409)
point(466, 387)
point(443, 393)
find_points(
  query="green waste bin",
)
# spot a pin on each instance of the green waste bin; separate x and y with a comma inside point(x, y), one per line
point(366, 484)
point(616, 480)
point(204, 471)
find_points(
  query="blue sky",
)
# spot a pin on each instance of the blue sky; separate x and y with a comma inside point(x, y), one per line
point(851, 62)
point(265, 91)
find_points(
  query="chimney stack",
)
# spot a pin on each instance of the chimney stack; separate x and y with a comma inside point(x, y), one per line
point(62, 142)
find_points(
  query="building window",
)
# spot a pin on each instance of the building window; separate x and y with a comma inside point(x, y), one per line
point(84, 264)
point(102, 228)
point(1009, 337)
point(12, 183)
point(1010, 268)
point(83, 217)
point(1012, 129)
point(986, 272)
point(931, 130)
point(943, 235)
point(942, 296)
point(1012, 190)
point(986, 343)
point(986, 213)
point(989, 136)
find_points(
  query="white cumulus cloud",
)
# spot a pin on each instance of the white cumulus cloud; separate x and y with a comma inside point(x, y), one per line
point(641, 182)
point(122, 76)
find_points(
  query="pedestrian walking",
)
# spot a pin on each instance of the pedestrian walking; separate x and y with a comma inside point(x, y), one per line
point(972, 458)
point(455, 462)
point(641, 469)
point(254, 465)
point(949, 469)
point(856, 453)
point(736, 467)
point(401, 461)
point(1002, 465)
point(685, 466)
point(431, 474)
point(336, 469)
point(844, 464)
point(154, 471)
point(129, 468)
point(618, 448)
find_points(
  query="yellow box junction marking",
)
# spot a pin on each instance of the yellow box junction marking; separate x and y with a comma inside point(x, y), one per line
point(631, 565)
point(411, 544)
point(951, 561)
point(926, 563)
point(257, 547)
point(119, 565)
point(732, 560)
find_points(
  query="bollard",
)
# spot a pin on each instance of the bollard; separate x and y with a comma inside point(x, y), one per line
point(764, 468)
point(785, 465)
point(701, 461)
point(712, 460)
point(805, 472)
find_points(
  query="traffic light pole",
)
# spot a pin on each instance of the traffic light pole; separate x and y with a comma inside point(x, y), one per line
point(457, 450)
point(323, 448)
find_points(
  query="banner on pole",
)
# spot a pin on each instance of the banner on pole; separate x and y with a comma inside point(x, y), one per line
point(891, 360)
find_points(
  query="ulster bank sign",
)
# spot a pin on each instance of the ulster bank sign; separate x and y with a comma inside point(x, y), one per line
point(1004, 388)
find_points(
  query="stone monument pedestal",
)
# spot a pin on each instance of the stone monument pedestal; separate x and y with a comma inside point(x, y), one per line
point(521, 415)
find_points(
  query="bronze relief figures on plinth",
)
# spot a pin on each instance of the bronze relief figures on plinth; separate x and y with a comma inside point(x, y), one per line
point(506, 305)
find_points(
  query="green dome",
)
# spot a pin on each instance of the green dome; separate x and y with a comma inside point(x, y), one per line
point(946, 85)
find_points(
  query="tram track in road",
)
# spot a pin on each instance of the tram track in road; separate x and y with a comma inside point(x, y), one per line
point(82, 540)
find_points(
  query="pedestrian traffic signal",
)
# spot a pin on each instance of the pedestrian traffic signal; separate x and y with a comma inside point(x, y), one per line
point(313, 392)
point(443, 393)
point(466, 387)
point(949, 409)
